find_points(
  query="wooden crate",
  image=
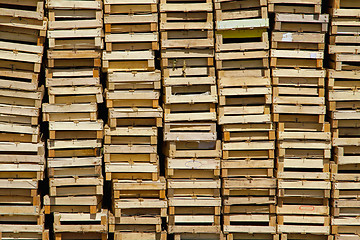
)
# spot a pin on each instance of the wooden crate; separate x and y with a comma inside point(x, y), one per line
point(262, 236)
point(341, 28)
point(20, 56)
point(303, 168)
point(22, 166)
point(135, 117)
point(345, 167)
point(288, 22)
point(22, 215)
point(245, 204)
point(240, 40)
point(345, 207)
point(293, 6)
point(72, 204)
point(184, 112)
point(133, 40)
point(18, 79)
point(132, 98)
point(306, 189)
point(74, 58)
point(136, 224)
point(141, 60)
point(296, 59)
point(29, 9)
point(74, 148)
point(81, 223)
point(16, 149)
point(75, 25)
point(345, 43)
point(242, 96)
point(186, 39)
point(344, 8)
point(254, 223)
point(244, 60)
point(304, 149)
point(303, 207)
point(341, 61)
point(248, 132)
point(190, 187)
point(192, 168)
point(19, 114)
point(345, 190)
point(190, 131)
point(248, 150)
point(130, 153)
point(140, 235)
point(196, 149)
point(20, 192)
point(22, 170)
point(82, 235)
point(194, 215)
point(188, 76)
point(72, 77)
point(247, 168)
point(123, 189)
point(75, 94)
point(83, 186)
point(22, 98)
point(125, 170)
point(14, 232)
point(187, 58)
point(192, 93)
point(155, 207)
point(72, 112)
point(131, 135)
point(232, 10)
point(13, 132)
point(242, 187)
point(299, 118)
point(297, 236)
point(298, 77)
point(133, 80)
point(298, 40)
point(74, 167)
point(199, 236)
point(319, 225)
point(76, 130)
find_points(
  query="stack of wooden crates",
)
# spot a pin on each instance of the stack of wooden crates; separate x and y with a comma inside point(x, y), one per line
point(22, 37)
point(134, 116)
point(303, 136)
point(191, 148)
point(75, 133)
point(343, 104)
point(242, 50)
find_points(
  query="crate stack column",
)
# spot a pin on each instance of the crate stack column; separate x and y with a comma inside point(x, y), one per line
point(139, 203)
point(75, 132)
point(22, 152)
point(343, 104)
point(248, 135)
point(303, 136)
point(192, 150)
